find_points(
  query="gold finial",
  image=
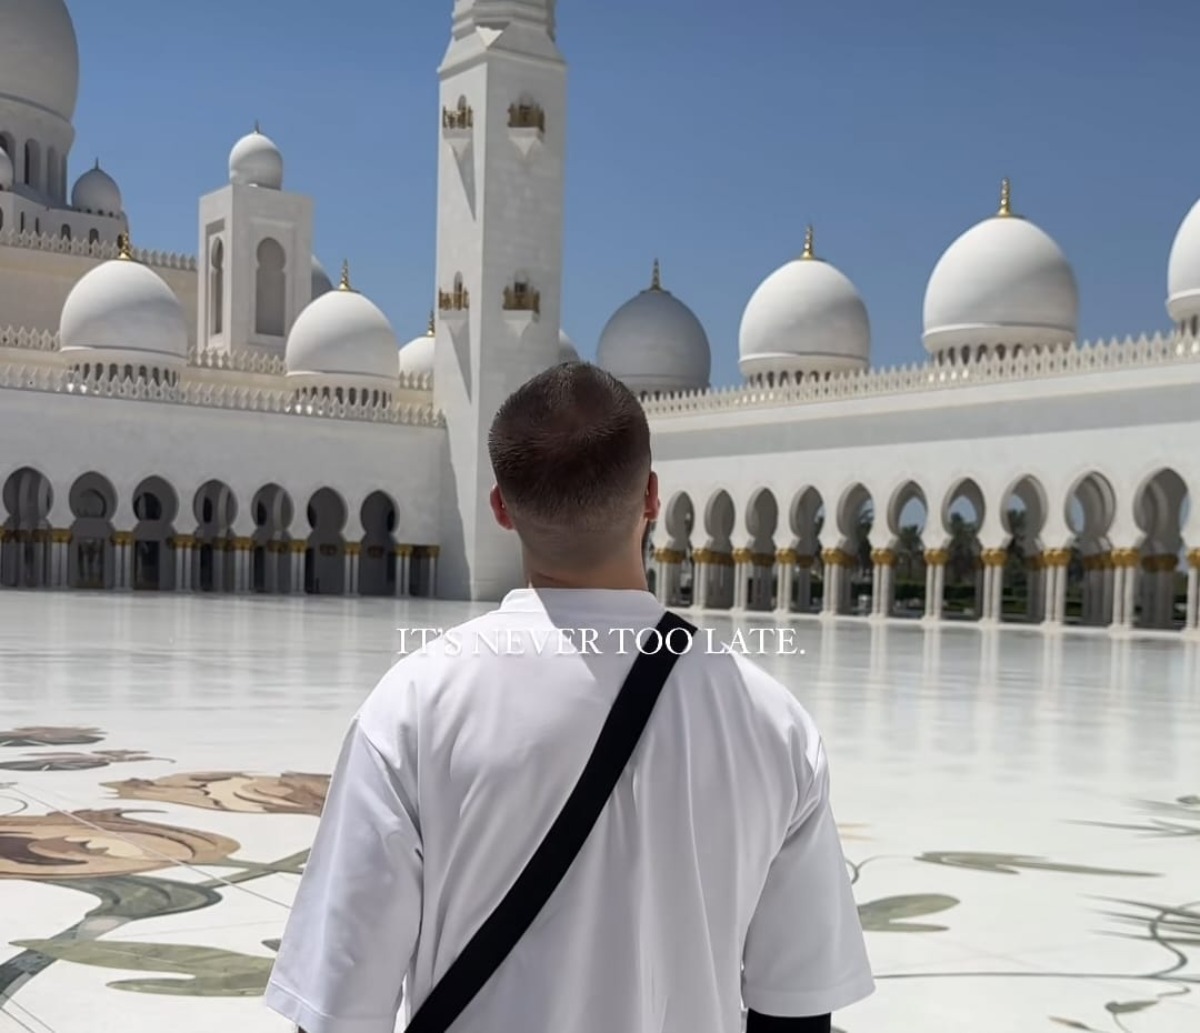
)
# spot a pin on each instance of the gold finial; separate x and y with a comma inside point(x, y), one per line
point(97, 163)
point(124, 247)
point(656, 277)
point(432, 331)
point(345, 284)
point(808, 243)
point(1005, 197)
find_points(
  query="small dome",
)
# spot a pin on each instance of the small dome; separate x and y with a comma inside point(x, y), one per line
point(1004, 281)
point(1183, 269)
point(255, 161)
point(39, 55)
point(342, 334)
point(806, 317)
point(123, 306)
point(6, 170)
point(654, 342)
point(416, 357)
point(321, 283)
point(567, 352)
point(97, 192)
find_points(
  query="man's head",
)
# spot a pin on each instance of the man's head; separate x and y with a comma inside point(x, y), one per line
point(571, 454)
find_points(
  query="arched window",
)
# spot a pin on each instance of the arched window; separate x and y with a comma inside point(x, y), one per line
point(216, 288)
point(52, 173)
point(94, 237)
point(31, 163)
point(271, 292)
point(66, 232)
point(22, 222)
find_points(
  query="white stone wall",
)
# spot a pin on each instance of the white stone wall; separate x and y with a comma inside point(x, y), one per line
point(64, 436)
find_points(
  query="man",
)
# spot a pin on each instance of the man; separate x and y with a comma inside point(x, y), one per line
point(713, 876)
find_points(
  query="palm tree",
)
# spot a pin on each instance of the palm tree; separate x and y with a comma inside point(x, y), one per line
point(909, 551)
point(962, 548)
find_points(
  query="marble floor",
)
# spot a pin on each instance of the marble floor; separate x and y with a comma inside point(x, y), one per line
point(1021, 813)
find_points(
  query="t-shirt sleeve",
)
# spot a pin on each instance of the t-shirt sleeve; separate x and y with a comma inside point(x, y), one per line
point(355, 921)
point(804, 952)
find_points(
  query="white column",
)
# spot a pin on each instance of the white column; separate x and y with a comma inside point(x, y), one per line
point(1107, 594)
point(1193, 594)
point(998, 591)
point(939, 595)
point(786, 567)
point(931, 585)
point(351, 552)
point(1129, 610)
point(297, 552)
point(699, 582)
point(829, 581)
point(888, 602)
point(1060, 598)
point(741, 579)
point(804, 585)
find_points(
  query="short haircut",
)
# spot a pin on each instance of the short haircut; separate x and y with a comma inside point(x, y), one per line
point(571, 454)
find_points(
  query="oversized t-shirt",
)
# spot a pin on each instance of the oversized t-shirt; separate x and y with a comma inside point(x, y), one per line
point(714, 875)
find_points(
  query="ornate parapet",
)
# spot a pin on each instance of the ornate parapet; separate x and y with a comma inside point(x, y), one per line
point(281, 401)
point(1072, 360)
point(101, 250)
point(238, 362)
point(522, 305)
point(30, 340)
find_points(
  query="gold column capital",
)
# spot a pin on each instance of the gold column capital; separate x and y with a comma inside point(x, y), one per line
point(404, 550)
point(122, 538)
point(937, 557)
point(742, 556)
point(353, 548)
point(297, 545)
point(786, 556)
point(1193, 558)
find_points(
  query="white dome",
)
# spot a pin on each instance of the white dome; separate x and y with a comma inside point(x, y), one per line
point(654, 342)
point(806, 317)
point(1183, 269)
point(97, 192)
point(342, 334)
point(1004, 281)
point(567, 352)
point(6, 170)
point(123, 306)
point(255, 161)
point(416, 357)
point(39, 55)
point(321, 283)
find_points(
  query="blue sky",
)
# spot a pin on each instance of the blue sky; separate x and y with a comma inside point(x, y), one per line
point(705, 133)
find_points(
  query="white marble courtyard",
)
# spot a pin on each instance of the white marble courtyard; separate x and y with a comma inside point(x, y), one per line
point(1022, 813)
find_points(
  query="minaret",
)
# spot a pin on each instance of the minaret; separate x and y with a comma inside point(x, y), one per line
point(501, 134)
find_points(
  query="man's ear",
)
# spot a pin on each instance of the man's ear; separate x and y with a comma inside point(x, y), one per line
point(500, 510)
point(653, 503)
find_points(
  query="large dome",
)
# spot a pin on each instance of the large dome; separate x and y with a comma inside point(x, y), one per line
point(255, 161)
point(97, 192)
point(39, 55)
point(342, 334)
point(655, 343)
point(1183, 270)
point(1003, 282)
point(121, 306)
point(806, 317)
point(416, 357)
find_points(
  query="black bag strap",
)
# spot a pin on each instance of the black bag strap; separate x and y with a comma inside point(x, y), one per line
point(500, 933)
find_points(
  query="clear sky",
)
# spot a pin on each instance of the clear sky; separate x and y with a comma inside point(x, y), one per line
point(704, 133)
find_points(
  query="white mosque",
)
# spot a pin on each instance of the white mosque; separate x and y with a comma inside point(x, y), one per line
point(235, 422)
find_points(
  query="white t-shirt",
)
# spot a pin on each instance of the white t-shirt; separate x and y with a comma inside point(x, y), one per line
point(714, 875)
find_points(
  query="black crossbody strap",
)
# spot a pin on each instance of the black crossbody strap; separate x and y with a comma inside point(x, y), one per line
point(506, 925)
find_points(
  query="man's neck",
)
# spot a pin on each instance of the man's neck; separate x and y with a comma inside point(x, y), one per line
point(618, 579)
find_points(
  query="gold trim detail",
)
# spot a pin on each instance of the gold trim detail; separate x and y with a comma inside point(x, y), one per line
point(526, 116)
point(461, 117)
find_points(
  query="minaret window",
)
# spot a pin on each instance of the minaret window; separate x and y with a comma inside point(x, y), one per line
point(216, 288)
point(271, 289)
point(520, 297)
point(94, 237)
point(526, 115)
point(456, 300)
point(461, 117)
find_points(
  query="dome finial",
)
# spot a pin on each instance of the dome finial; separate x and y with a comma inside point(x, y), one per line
point(345, 284)
point(97, 163)
point(124, 247)
point(1005, 197)
point(808, 243)
point(432, 331)
point(656, 277)
point(257, 127)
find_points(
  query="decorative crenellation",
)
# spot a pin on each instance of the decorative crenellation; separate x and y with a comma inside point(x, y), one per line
point(526, 116)
point(456, 300)
point(460, 117)
point(102, 250)
point(1159, 350)
point(215, 396)
point(31, 340)
point(520, 297)
point(238, 362)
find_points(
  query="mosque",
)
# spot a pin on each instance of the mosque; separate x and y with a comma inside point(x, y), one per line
point(236, 422)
